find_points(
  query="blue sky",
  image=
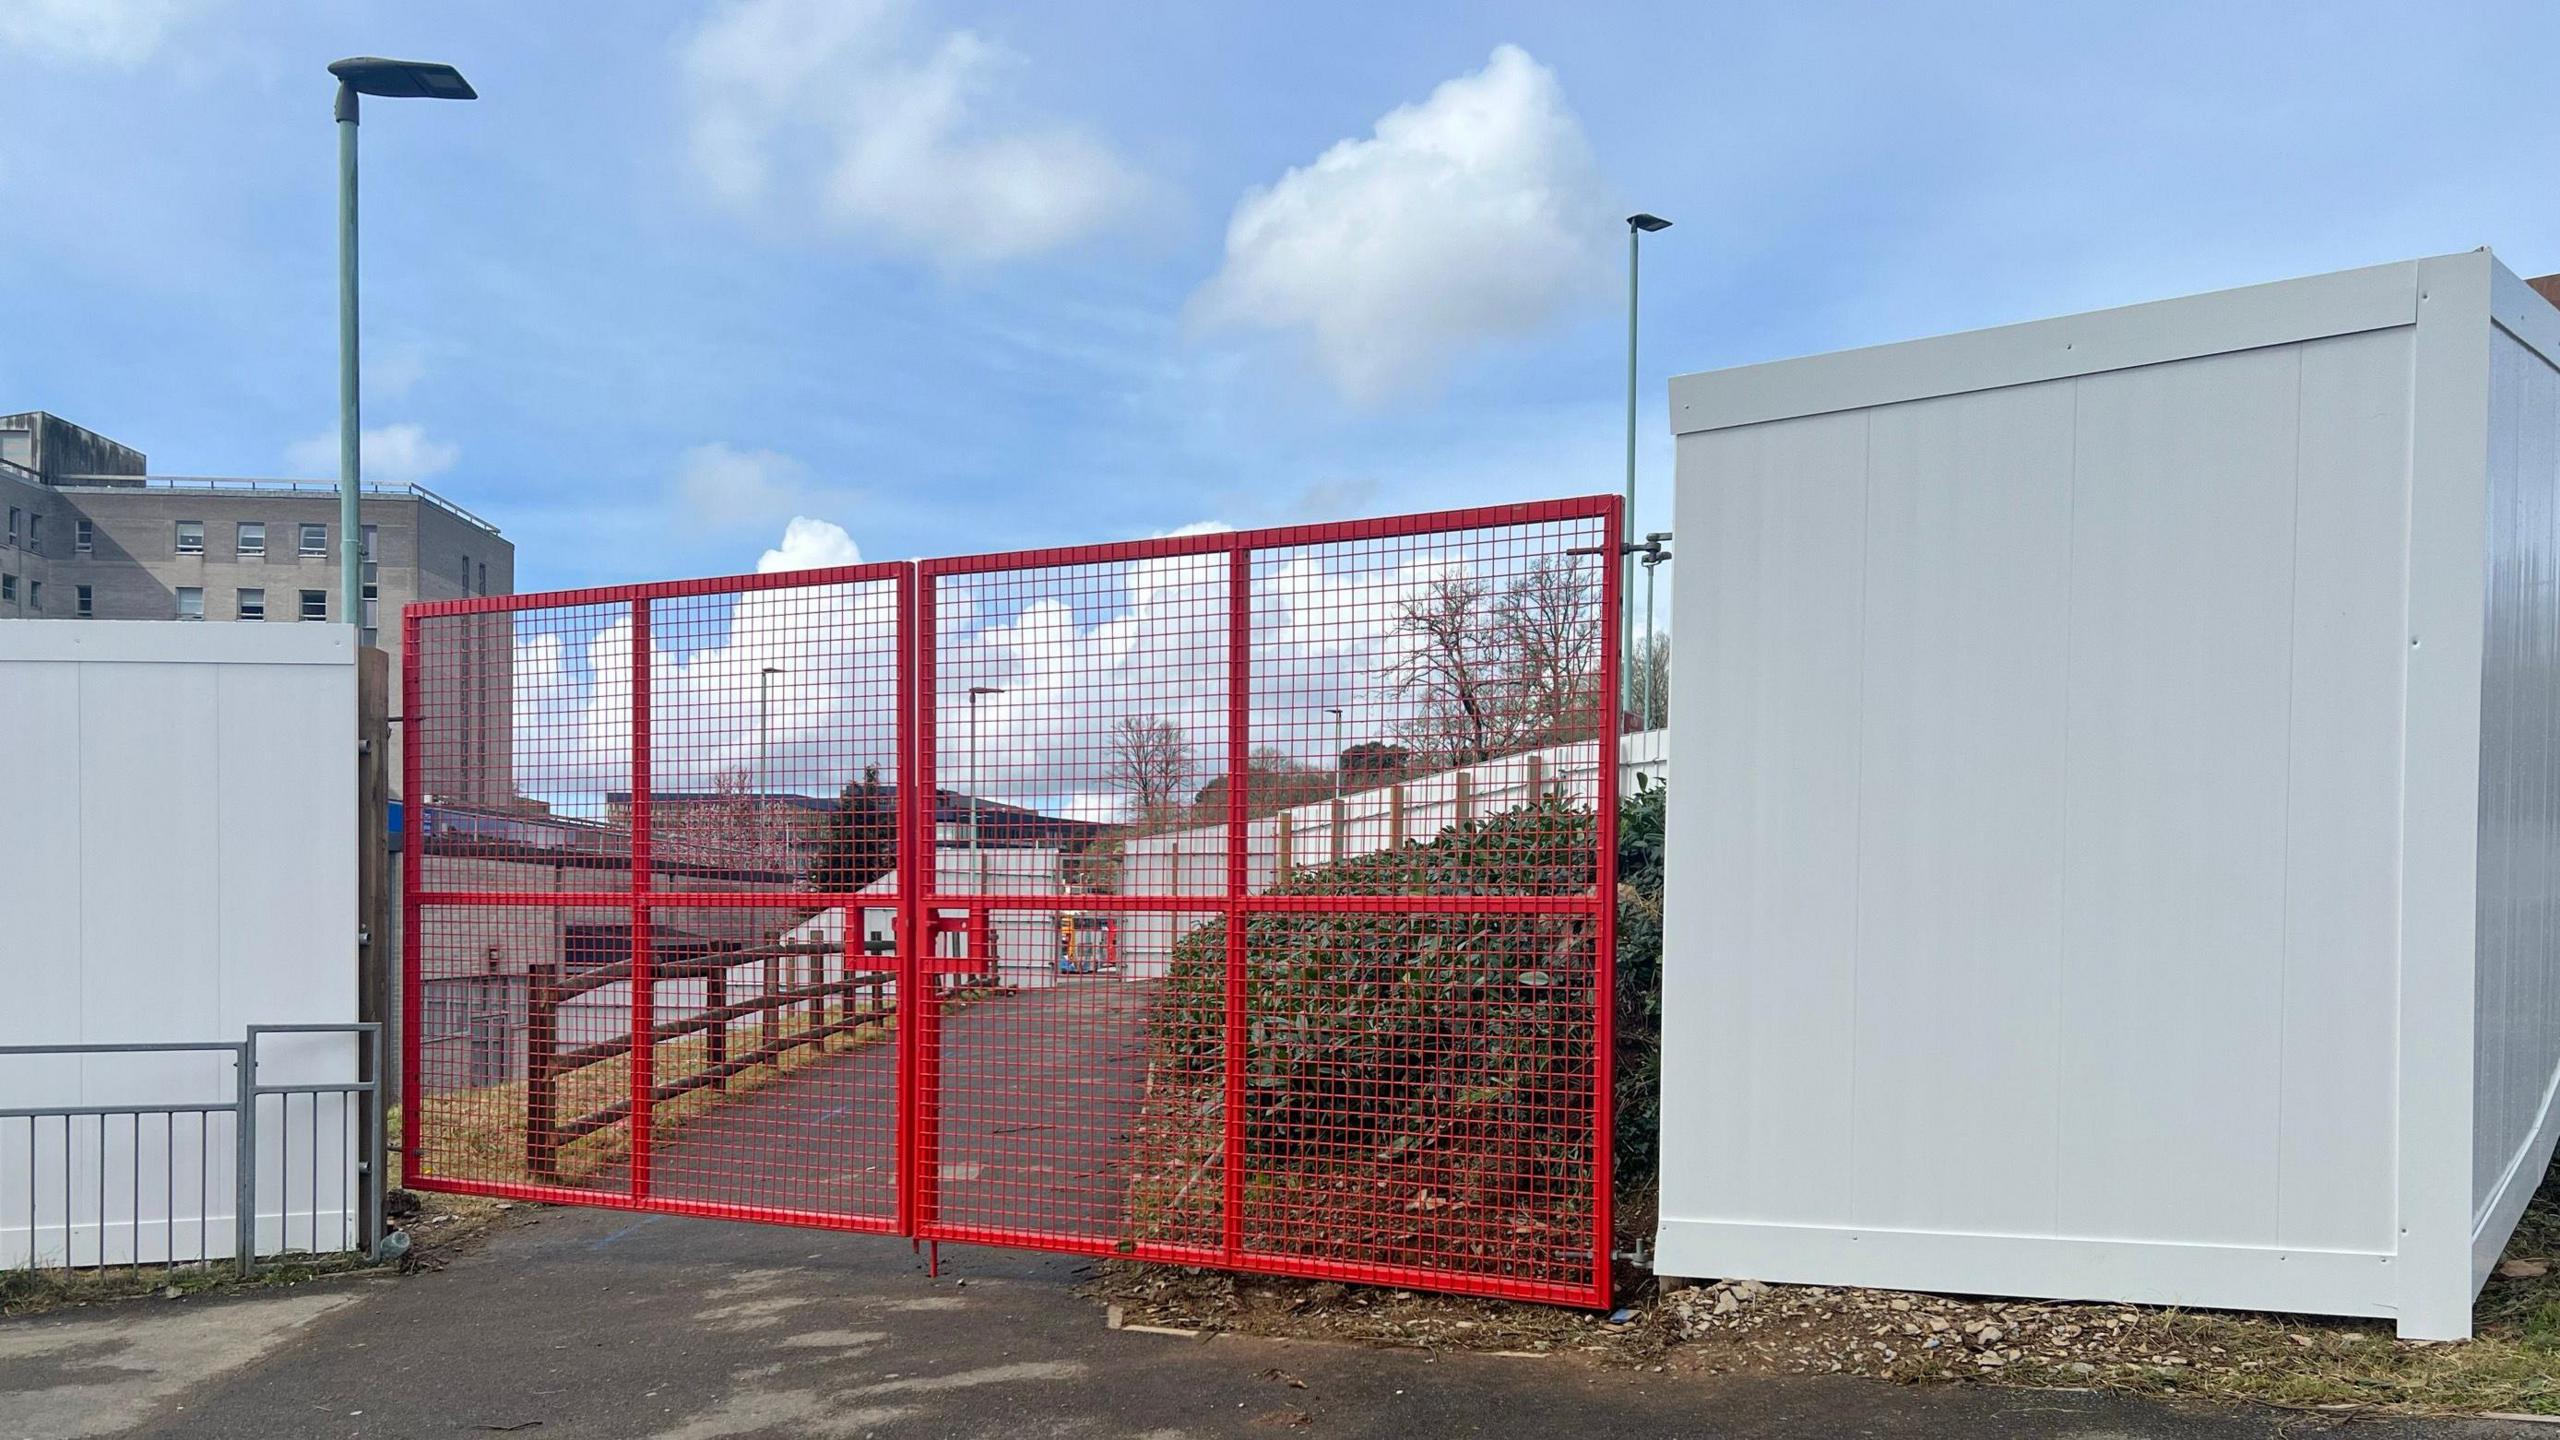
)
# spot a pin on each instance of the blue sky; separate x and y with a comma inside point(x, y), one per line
point(970, 276)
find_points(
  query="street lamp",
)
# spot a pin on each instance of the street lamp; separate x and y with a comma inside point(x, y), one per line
point(1638, 226)
point(764, 780)
point(975, 848)
point(1651, 554)
point(391, 80)
point(1336, 712)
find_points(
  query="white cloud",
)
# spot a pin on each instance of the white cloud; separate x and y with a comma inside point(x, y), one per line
point(720, 485)
point(810, 545)
point(393, 454)
point(1475, 215)
point(121, 33)
point(904, 139)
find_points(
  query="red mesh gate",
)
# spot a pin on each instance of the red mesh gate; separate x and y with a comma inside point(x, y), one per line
point(1260, 889)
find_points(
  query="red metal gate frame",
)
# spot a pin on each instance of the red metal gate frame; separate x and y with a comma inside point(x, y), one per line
point(1237, 901)
point(916, 1141)
point(641, 897)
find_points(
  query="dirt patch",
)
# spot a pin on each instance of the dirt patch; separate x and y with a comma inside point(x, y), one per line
point(1744, 1327)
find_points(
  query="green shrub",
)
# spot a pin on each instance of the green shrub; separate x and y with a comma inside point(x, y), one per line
point(1420, 1079)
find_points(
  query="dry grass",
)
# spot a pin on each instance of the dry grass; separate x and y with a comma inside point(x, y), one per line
point(479, 1134)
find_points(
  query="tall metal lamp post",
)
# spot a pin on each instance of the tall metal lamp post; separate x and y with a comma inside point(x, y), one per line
point(1639, 225)
point(764, 777)
point(1336, 712)
point(977, 849)
point(1650, 554)
point(391, 80)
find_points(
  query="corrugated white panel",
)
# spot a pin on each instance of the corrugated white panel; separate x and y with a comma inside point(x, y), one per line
point(2518, 997)
point(2043, 741)
point(179, 863)
point(1761, 915)
point(1961, 763)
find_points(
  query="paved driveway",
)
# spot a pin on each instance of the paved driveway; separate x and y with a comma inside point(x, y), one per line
point(595, 1324)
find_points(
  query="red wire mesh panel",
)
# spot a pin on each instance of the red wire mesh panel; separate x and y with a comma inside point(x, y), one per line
point(1339, 804)
point(1241, 899)
point(653, 878)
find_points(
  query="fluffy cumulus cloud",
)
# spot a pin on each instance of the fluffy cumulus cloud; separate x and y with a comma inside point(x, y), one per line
point(122, 33)
point(810, 545)
point(849, 109)
point(393, 454)
point(1475, 215)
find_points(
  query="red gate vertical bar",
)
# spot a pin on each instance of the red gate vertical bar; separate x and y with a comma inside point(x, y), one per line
point(413, 825)
point(644, 981)
point(907, 924)
point(921, 1021)
point(1239, 880)
point(1604, 970)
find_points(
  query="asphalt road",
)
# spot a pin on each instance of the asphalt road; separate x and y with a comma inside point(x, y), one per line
point(594, 1323)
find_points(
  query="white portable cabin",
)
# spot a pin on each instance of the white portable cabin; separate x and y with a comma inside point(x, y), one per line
point(2113, 838)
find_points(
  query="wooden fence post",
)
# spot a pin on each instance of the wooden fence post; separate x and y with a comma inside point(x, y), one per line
point(1337, 830)
point(1537, 777)
point(1464, 785)
point(715, 1041)
point(1395, 816)
point(1280, 836)
point(541, 1070)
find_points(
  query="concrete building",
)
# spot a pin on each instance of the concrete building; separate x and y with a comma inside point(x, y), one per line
point(91, 535)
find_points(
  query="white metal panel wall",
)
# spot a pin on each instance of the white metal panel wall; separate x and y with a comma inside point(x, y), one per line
point(179, 863)
point(2039, 880)
point(2517, 1003)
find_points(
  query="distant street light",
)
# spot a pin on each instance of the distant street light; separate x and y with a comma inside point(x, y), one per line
point(1638, 226)
point(1336, 712)
point(391, 80)
point(764, 780)
point(975, 848)
point(1650, 554)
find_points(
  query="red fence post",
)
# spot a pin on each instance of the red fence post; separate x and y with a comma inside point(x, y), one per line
point(1239, 873)
point(1604, 1107)
point(919, 1012)
point(413, 849)
point(644, 977)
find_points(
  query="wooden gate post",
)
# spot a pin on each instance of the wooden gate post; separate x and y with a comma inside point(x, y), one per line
point(542, 1070)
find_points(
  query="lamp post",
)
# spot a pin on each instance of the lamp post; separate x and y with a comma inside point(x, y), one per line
point(1336, 712)
point(764, 780)
point(1651, 553)
point(1638, 226)
point(977, 850)
point(392, 80)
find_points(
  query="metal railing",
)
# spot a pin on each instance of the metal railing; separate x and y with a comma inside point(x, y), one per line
point(85, 1162)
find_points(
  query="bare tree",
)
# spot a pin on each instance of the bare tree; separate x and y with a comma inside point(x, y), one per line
point(1150, 763)
point(1546, 626)
point(1486, 671)
point(1444, 672)
point(729, 827)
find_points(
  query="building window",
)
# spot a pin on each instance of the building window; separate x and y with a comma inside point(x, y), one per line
point(35, 533)
point(190, 602)
point(372, 543)
point(253, 604)
point(84, 536)
point(35, 594)
point(14, 513)
point(315, 604)
point(372, 614)
point(18, 447)
point(82, 602)
point(190, 537)
point(252, 539)
point(8, 589)
point(315, 539)
point(484, 579)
